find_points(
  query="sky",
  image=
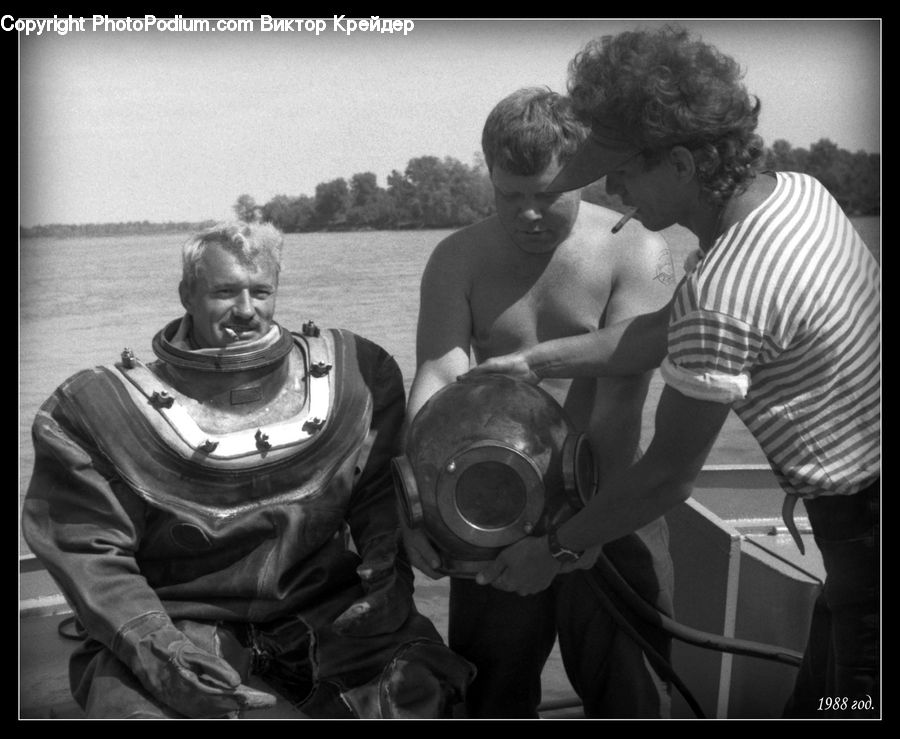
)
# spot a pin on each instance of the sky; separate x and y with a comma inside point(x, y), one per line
point(174, 125)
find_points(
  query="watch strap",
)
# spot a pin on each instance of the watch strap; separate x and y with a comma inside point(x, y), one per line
point(558, 551)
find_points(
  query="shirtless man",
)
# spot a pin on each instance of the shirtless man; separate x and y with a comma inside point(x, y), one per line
point(545, 266)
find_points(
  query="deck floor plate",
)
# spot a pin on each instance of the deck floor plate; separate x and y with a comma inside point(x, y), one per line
point(43, 678)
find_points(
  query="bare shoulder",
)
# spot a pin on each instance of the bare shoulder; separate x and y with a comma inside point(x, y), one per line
point(459, 257)
point(597, 223)
point(632, 249)
point(466, 245)
point(598, 218)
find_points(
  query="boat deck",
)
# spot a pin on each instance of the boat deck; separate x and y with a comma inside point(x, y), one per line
point(738, 574)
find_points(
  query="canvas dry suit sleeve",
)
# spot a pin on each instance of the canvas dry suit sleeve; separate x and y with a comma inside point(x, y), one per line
point(83, 522)
point(386, 576)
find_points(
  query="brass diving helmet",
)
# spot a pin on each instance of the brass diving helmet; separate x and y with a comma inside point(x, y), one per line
point(489, 460)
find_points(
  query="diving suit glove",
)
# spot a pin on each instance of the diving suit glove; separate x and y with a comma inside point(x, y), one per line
point(176, 671)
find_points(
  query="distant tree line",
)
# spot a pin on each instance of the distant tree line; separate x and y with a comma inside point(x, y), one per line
point(853, 179)
point(434, 193)
point(129, 228)
point(429, 193)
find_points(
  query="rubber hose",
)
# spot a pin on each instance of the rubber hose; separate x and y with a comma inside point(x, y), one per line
point(687, 634)
point(662, 665)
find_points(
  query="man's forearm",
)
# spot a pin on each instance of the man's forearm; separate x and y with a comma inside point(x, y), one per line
point(616, 512)
point(685, 430)
point(630, 347)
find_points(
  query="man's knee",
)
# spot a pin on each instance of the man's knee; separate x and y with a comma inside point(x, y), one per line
point(423, 680)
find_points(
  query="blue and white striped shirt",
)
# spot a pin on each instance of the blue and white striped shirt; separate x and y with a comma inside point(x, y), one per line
point(782, 319)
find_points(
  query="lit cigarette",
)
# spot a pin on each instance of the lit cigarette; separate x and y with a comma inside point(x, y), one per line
point(230, 334)
point(623, 220)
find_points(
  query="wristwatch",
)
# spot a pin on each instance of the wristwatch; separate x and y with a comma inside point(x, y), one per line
point(559, 552)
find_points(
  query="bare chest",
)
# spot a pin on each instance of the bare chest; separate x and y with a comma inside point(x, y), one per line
point(514, 307)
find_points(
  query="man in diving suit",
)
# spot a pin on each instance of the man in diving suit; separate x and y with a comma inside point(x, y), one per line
point(228, 510)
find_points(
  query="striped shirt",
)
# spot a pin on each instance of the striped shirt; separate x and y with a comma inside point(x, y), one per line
point(782, 319)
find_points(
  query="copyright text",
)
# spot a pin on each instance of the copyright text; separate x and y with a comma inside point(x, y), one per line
point(150, 23)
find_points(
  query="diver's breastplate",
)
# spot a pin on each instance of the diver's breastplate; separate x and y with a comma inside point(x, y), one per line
point(205, 433)
point(159, 449)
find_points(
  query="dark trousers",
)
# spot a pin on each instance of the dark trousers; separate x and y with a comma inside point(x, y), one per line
point(509, 638)
point(839, 677)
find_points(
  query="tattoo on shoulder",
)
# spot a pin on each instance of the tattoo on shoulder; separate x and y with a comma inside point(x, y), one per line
point(665, 270)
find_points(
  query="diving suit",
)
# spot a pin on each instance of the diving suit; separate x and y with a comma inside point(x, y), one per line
point(228, 512)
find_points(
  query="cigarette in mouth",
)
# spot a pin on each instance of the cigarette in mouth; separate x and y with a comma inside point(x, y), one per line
point(230, 334)
point(623, 220)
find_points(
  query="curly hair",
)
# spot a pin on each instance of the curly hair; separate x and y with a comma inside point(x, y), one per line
point(664, 88)
point(250, 243)
point(527, 128)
